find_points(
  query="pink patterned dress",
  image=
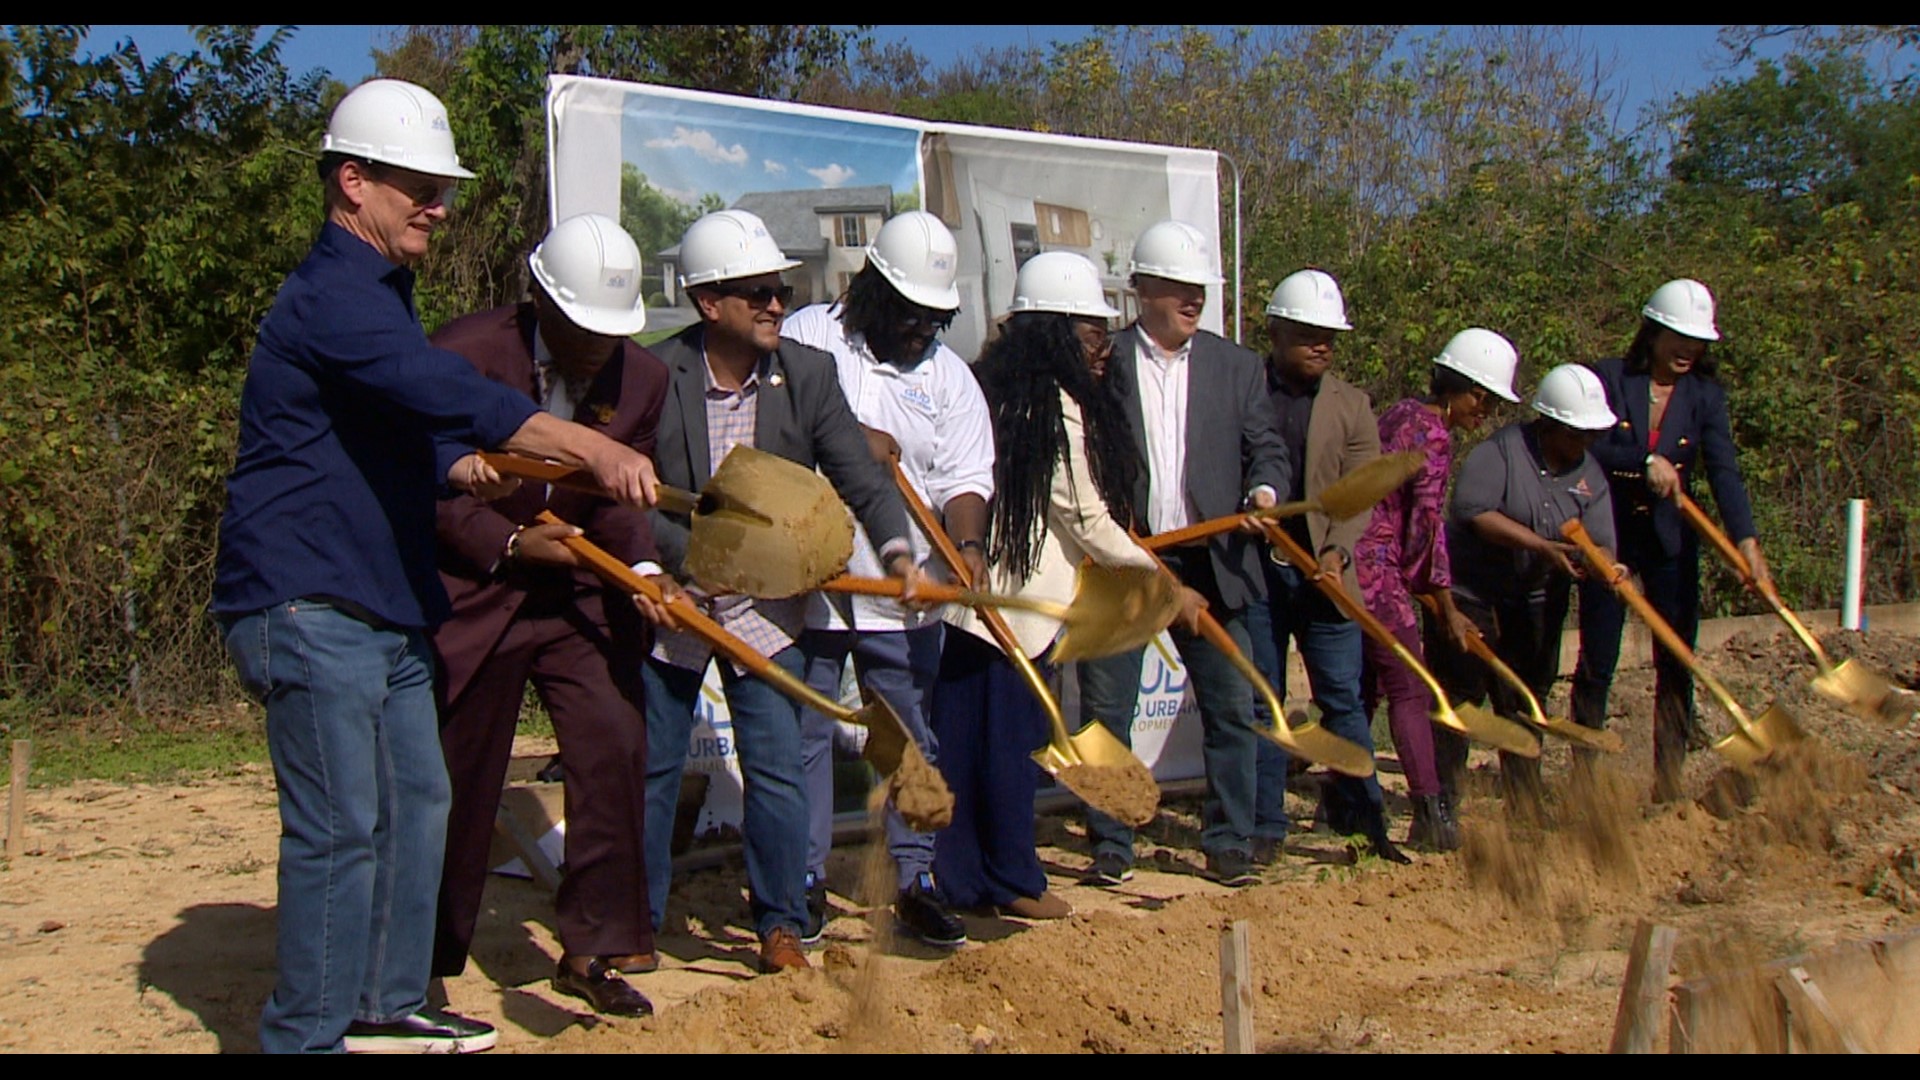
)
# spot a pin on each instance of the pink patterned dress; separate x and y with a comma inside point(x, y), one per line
point(1404, 550)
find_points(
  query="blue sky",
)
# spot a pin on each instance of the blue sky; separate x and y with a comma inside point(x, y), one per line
point(1650, 63)
point(687, 148)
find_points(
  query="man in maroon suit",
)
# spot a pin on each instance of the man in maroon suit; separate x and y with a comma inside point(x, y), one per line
point(523, 608)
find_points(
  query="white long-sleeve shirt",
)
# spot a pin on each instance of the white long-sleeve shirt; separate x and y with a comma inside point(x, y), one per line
point(1162, 377)
point(935, 411)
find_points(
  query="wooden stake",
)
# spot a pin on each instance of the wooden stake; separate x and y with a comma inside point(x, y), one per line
point(1236, 988)
point(17, 799)
point(1806, 1001)
point(1643, 993)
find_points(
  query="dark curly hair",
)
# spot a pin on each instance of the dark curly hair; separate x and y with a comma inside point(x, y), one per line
point(1022, 373)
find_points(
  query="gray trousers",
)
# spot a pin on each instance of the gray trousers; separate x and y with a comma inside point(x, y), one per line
point(901, 666)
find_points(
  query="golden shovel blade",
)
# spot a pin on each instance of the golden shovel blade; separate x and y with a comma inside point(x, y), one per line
point(1363, 488)
point(1113, 610)
point(1774, 729)
point(1106, 777)
point(1305, 738)
point(1601, 739)
point(1867, 693)
point(1483, 726)
point(767, 527)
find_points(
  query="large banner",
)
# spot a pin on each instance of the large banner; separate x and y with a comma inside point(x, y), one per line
point(824, 180)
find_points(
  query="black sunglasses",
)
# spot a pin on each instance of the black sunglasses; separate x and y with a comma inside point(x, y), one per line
point(938, 321)
point(758, 295)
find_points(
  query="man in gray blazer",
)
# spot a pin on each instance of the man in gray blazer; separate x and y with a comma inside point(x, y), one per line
point(1208, 448)
point(733, 380)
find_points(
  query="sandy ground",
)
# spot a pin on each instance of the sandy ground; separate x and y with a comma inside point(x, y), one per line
point(142, 918)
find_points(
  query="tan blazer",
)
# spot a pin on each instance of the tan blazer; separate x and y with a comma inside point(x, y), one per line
point(1078, 527)
point(1342, 435)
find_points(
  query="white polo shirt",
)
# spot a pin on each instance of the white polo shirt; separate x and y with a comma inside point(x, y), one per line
point(938, 416)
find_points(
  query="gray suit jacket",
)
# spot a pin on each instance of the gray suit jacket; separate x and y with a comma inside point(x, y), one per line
point(1233, 446)
point(801, 416)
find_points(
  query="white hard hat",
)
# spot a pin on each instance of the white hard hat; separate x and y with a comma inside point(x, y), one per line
point(919, 257)
point(1176, 251)
point(1683, 306)
point(1311, 297)
point(728, 244)
point(590, 269)
point(395, 123)
point(1483, 356)
point(1061, 281)
point(1573, 395)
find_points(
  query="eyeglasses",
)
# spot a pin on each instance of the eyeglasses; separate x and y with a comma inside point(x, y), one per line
point(422, 191)
point(758, 295)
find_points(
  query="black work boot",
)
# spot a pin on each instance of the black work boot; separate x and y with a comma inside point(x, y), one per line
point(1433, 828)
point(1377, 839)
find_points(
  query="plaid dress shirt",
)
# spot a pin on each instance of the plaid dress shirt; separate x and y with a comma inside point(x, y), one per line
point(767, 625)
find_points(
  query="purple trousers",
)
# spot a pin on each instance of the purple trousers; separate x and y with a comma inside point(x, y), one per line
point(1409, 708)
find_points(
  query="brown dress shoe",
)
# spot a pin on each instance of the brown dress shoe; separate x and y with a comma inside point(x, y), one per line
point(780, 951)
point(1044, 906)
point(603, 988)
point(638, 963)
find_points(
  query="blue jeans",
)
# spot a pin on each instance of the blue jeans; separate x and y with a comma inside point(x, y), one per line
point(901, 666)
point(355, 741)
point(1110, 692)
point(766, 731)
point(1296, 611)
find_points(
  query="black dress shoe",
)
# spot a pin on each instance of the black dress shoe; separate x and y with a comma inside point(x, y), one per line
point(429, 1031)
point(603, 988)
point(1232, 869)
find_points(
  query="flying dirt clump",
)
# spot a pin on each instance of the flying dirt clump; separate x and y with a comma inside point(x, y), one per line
point(920, 793)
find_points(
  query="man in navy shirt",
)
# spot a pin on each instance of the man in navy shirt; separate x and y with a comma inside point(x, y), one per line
point(325, 582)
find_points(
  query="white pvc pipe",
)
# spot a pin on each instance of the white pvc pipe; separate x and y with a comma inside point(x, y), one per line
point(1856, 564)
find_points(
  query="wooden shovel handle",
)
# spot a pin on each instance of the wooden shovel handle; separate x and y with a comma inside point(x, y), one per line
point(893, 587)
point(1197, 531)
point(1353, 609)
point(621, 576)
point(1611, 572)
point(673, 500)
point(1729, 551)
point(989, 617)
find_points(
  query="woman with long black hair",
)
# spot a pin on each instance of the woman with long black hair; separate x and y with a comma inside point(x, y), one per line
point(1064, 467)
point(1672, 424)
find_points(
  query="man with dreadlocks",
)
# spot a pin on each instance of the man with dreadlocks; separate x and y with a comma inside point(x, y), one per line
point(1055, 503)
point(921, 407)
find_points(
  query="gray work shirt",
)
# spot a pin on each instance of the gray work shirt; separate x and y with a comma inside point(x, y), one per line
point(1508, 473)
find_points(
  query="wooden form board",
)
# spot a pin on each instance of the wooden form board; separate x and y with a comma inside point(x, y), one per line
point(1866, 993)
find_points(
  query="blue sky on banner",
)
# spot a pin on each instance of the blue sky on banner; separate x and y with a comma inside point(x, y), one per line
point(689, 148)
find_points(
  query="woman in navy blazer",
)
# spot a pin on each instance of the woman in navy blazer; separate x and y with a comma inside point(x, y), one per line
point(1673, 424)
